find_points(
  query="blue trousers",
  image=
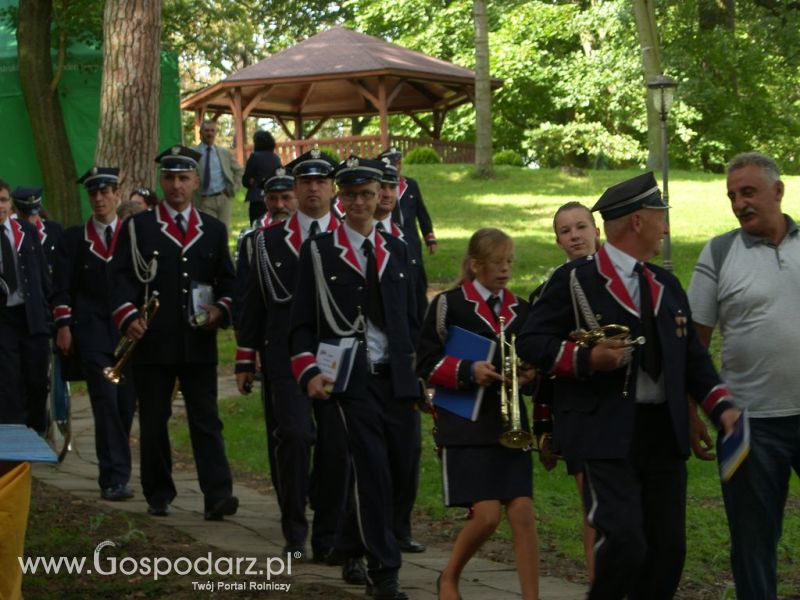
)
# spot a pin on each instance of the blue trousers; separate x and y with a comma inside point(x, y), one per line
point(755, 498)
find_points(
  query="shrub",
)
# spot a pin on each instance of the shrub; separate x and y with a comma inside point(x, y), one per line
point(508, 157)
point(583, 145)
point(422, 155)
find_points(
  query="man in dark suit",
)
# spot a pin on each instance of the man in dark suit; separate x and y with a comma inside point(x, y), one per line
point(82, 312)
point(622, 408)
point(181, 255)
point(409, 211)
point(25, 291)
point(354, 283)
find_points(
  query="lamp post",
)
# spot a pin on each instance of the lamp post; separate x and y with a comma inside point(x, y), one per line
point(661, 90)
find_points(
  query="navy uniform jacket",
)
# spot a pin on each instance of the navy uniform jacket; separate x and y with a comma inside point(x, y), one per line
point(244, 255)
point(463, 307)
point(265, 311)
point(49, 234)
point(202, 257)
point(593, 417)
point(346, 282)
point(410, 209)
point(34, 277)
point(82, 287)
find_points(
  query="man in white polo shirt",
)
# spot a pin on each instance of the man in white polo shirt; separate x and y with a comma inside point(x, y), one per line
point(748, 282)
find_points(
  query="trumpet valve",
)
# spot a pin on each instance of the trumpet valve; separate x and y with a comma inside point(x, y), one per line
point(114, 376)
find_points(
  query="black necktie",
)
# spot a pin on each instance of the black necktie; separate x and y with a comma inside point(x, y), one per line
point(109, 236)
point(375, 304)
point(207, 170)
point(379, 226)
point(9, 268)
point(493, 301)
point(314, 229)
point(179, 223)
point(651, 352)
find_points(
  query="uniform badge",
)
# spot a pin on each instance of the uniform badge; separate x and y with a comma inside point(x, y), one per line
point(280, 172)
point(175, 150)
point(94, 170)
point(315, 153)
point(352, 162)
point(680, 324)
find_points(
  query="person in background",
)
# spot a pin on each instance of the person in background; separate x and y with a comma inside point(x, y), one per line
point(477, 470)
point(578, 236)
point(409, 211)
point(25, 324)
point(144, 198)
point(746, 281)
point(220, 176)
point(261, 165)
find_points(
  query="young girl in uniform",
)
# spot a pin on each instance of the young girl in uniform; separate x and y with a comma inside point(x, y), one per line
point(477, 470)
point(578, 236)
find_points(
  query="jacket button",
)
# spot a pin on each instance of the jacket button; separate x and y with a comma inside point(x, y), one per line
point(183, 290)
point(184, 259)
point(185, 274)
point(360, 288)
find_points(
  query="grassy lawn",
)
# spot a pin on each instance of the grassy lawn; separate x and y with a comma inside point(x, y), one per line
point(522, 202)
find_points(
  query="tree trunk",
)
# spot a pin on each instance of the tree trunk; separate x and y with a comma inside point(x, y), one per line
point(483, 93)
point(644, 11)
point(131, 91)
point(44, 111)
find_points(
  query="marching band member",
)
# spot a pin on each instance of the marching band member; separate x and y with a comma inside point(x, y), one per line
point(477, 470)
point(353, 284)
point(82, 315)
point(182, 255)
point(622, 409)
point(25, 289)
point(578, 236)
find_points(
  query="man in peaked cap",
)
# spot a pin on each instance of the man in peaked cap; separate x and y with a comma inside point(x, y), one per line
point(409, 211)
point(363, 277)
point(181, 255)
point(623, 410)
point(82, 314)
point(264, 323)
point(24, 320)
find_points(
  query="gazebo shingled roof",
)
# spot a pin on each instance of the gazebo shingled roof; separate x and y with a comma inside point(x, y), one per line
point(338, 73)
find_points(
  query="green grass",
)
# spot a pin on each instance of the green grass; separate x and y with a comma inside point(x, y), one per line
point(522, 202)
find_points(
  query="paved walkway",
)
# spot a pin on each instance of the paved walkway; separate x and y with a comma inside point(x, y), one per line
point(255, 529)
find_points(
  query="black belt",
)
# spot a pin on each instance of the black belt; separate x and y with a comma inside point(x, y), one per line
point(380, 369)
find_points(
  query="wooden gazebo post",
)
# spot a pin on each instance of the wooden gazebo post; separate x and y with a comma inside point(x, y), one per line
point(383, 112)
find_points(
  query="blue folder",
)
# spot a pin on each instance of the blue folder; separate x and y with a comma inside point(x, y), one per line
point(471, 346)
point(20, 444)
point(734, 447)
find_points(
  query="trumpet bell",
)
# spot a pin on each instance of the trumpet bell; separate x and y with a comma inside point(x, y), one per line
point(516, 439)
point(113, 375)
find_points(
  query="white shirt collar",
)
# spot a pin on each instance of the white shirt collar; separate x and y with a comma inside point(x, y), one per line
point(484, 292)
point(305, 223)
point(100, 228)
point(186, 212)
point(387, 223)
point(356, 239)
point(623, 262)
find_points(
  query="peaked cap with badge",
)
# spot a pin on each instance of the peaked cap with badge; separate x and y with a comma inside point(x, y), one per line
point(27, 200)
point(313, 163)
point(97, 178)
point(179, 158)
point(355, 171)
point(629, 196)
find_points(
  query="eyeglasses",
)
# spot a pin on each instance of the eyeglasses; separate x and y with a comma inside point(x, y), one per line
point(351, 196)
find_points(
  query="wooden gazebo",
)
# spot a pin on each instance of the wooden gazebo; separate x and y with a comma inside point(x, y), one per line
point(338, 73)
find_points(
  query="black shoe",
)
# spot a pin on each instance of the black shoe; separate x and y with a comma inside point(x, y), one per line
point(354, 571)
point(116, 492)
point(223, 508)
point(158, 510)
point(298, 551)
point(334, 558)
point(409, 544)
point(385, 590)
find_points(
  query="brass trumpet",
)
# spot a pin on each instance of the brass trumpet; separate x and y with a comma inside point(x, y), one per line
point(592, 337)
point(124, 349)
point(513, 435)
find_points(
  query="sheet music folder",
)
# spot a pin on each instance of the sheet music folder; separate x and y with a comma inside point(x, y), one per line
point(471, 346)
point(20, 444)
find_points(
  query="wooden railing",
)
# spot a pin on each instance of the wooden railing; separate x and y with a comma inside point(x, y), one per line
point(369, 146)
